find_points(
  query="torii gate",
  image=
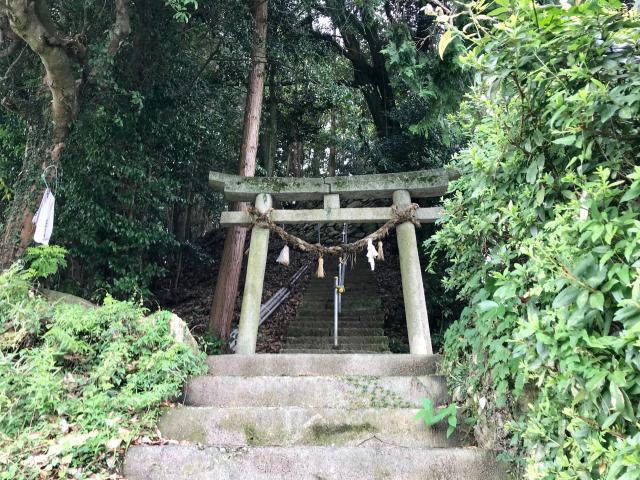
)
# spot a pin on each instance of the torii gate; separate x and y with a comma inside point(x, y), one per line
point(401, 187)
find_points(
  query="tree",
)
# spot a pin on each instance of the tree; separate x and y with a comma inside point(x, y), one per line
point(30, 24)
point(361, 42)
point(226, 289)
point(391, 47)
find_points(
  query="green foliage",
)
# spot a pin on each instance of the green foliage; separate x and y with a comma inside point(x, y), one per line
point(210, 344)
point(11, 152)
point(181, 8)
point(542, 235)
point(45, 260)
point(78, 385)
point(430, 417)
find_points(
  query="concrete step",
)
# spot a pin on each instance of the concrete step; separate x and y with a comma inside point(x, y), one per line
point(288, 426)
point(322, 365)
point(343, 317)
point(191, 462)
point(347, 340)
point(327, 331)
point(360, 303)
point(327, 326)
point(322, 309)
point(352, 290)
point(313, 347)
point(314, 298)
point(348, 322)
point(343, 351)
point(322, 392)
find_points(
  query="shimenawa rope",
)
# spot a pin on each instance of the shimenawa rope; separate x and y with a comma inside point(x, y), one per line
point(407, 214)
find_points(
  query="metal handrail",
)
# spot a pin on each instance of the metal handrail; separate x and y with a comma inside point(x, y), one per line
point(339, 288)
point(271, 305)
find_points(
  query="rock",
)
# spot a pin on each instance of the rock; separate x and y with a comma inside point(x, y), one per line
point(181, 333)
point(53, 296)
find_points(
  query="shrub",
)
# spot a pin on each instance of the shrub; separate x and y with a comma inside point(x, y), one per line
point(78, 384)
point(543, 232)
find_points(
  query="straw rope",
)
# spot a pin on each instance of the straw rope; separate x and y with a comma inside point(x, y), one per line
point(263, 220)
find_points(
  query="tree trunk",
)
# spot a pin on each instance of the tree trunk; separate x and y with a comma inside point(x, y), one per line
point(332, 147)
point(27, 191)
point(226, 290)
point(294, 158)
point(272, 131)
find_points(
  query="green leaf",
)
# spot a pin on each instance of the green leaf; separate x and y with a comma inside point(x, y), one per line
point(617, 400)
point(566, 297)
point(596, 300)
point(610, 420)
point(498, 11)
point(445, 40)
point(452, 421)
point(632, 193)
point(568, 140)
point(487, 305)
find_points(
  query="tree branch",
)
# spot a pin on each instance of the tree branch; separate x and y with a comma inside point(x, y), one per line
point(31, 20)
point(121, 27)
point(14, 63)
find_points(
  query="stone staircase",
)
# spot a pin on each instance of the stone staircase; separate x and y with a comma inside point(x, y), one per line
point(310, 416)
point(361, 324)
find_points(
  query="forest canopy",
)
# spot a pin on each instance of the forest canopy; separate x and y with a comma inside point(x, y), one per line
point(155, 100)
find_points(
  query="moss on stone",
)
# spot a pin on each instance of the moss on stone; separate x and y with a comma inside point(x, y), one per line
point(326, 433)
point(251, 435)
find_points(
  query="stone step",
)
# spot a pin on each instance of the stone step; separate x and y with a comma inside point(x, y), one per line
point(342, 346)
point(278, 426)
point(351, 340)
point(321, 365)
point(359, 285)
point(327, 351)
point(352, 281)
point(347, 310)
point(192, 462)
point(325, 392)
point(344, 316)
point(348, 296)
point(327, 331)
point(368, 303)
point(303, 325)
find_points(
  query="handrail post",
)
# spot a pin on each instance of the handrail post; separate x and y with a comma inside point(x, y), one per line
point(335, 312)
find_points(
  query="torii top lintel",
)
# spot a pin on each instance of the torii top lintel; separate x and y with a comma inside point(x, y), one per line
point(420, 184)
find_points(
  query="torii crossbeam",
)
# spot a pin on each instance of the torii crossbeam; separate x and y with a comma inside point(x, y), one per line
point(401, 187)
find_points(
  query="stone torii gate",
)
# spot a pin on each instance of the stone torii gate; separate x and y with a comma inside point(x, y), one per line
point(401, 187)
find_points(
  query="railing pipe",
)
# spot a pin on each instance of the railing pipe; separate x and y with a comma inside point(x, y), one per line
point(335, 312)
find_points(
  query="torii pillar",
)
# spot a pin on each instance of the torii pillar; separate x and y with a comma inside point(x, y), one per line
point(415, 304)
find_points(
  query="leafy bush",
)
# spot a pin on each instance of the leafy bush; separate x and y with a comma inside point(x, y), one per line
point(79, 384)
point(543, 232)
point(431, 417)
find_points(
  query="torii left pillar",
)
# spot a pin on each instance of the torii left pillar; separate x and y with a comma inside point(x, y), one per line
point(254, 282)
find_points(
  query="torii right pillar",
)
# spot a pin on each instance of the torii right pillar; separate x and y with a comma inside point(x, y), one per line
point(415, 305)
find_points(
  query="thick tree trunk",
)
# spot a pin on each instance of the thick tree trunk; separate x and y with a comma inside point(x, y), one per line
point(18, 228)
point(226, 290)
